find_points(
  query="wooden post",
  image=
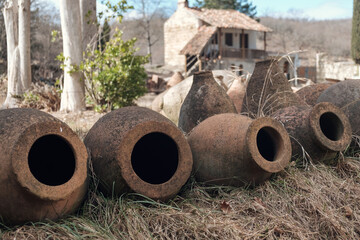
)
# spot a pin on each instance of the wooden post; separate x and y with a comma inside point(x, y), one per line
point(264, 41)
point(185, 65)
point(243, 43)
point(220, 43)
point(199, 61)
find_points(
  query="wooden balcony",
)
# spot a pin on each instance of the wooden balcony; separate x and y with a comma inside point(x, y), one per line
point(244, 53)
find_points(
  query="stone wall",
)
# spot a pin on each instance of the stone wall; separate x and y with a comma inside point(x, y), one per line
point(179, 29)
point(327, 69)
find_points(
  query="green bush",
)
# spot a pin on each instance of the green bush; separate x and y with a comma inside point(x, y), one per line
point(114, 76)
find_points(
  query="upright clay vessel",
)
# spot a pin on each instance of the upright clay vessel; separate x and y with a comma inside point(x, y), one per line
point(205, 99)
point(137, 149)
point(319, 132)
point(268, 90)
point(43, 167)
point(231, 149)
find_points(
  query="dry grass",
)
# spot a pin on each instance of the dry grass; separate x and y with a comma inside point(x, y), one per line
point(319, 203)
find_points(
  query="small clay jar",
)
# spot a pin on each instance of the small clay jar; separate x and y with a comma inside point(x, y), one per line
point(175, 79)
point(231, 149)
point(318, 133)
point(310, 94)
point(137, 149)
point(342, 93)
point(236, 92)
point(205, 99)
point(43, 167)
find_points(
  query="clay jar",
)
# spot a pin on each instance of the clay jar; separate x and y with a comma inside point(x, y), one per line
point(237, 92)
point(352, 111)
point(318, 132)
point(342, 93)
point(310, 94)
point(43, 167)
point(175, 79)
point(231, 149)
point(268, 90)
point(137, 149)
point(205, 99)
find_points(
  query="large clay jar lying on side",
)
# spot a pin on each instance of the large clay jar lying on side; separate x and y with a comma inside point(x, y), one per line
point(140, 149)
point(231, 149)
point(43, 167)
point(342, 93)
point(319, 132)
point(205, 99)
point(352, 111)
point(310, 94)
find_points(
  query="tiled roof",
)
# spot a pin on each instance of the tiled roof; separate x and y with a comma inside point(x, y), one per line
point(199, 41)
point(228, 18)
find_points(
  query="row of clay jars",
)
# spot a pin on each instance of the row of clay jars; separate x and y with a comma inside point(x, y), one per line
point(44, 163)
point(43, 167)
point(229, 148)
point(317, 132)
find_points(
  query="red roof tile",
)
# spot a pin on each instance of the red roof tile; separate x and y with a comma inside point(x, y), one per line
point(199, 41)
point(228, 18)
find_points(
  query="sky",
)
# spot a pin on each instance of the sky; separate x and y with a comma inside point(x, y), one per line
point(311, 9)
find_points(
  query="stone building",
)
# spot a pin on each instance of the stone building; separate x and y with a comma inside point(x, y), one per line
point(212, 39)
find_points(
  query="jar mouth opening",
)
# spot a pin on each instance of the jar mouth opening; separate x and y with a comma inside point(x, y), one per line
point(155, 158)
point(51, 160)
point(269, 144)
point(330, 126)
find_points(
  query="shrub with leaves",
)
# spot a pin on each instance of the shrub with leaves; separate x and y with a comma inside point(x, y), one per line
point(114, 76)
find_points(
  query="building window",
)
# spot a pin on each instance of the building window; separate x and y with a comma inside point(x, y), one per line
point(246, 40)
point(229, 39)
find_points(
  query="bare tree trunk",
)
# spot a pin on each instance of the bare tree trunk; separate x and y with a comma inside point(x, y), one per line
point(73, 95)
point(13, 80)
point(11, 27)
point(88, 23)
point(24, 45)
point(10, 12)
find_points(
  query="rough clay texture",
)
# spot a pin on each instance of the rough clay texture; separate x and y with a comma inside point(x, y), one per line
point(342, 93)
point(205, 99)
point(352, 111)
point(310, 94)
point(110, 143)
point(220, 147)
point(304, 140)
point(268, 91)
point(22, 197)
